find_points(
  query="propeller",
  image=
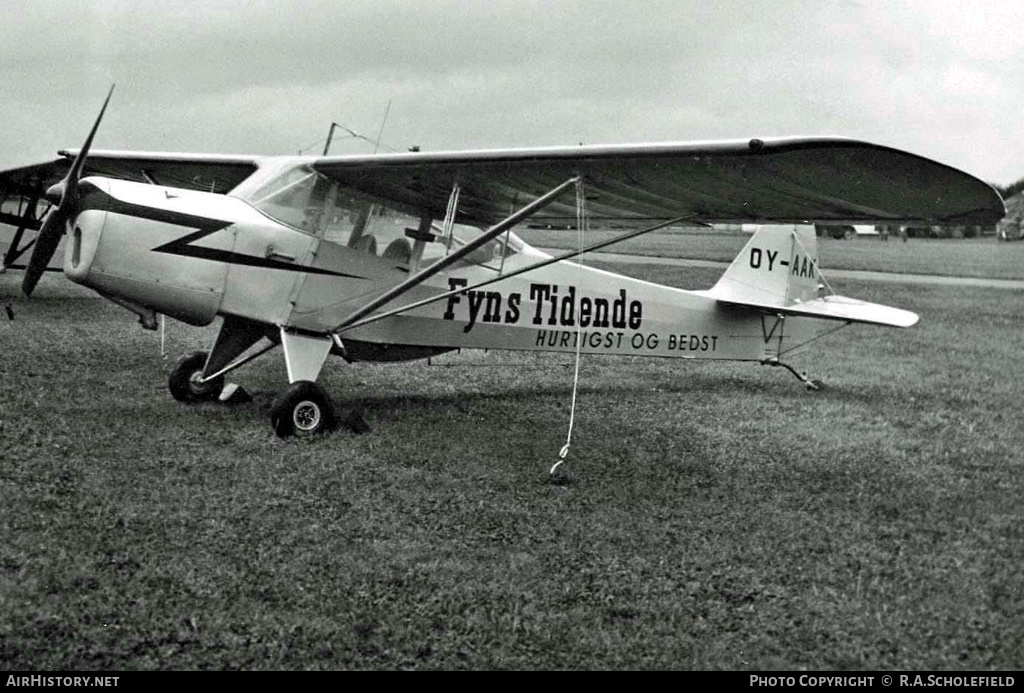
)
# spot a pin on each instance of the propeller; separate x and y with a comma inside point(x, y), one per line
point(64, 196)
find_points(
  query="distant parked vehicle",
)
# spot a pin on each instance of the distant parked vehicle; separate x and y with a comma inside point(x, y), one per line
point(845, 231)
point(1011, 228)
point(945, 231)
point(837, 231)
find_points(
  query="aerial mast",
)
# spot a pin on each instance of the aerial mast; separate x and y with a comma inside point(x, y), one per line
point(330, 136)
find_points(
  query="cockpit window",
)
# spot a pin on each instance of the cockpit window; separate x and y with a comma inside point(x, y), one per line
point(392, 234)
point(307, 200)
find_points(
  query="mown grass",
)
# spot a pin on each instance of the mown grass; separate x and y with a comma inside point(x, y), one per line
point(711, 515)
point(965, 257)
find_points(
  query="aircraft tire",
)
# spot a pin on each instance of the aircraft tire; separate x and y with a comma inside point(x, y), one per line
point(302, 409)
point(184, 384)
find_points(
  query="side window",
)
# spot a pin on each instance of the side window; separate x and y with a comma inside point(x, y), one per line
point(306, 200)
point(388, 233)
point(489, 255)
point(343, 216)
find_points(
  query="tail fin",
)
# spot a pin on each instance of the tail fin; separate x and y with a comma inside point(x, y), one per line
point(777, 272)
point(777, 267)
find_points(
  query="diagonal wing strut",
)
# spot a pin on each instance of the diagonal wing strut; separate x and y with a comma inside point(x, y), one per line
point(450, 260)
point(522, 270)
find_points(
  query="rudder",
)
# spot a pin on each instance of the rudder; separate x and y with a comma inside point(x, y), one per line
point(778, 266)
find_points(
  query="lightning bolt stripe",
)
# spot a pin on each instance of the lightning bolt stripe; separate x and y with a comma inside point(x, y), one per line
point(94, 198)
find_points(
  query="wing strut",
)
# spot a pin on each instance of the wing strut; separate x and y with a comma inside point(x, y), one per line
point(523, 270)
point(449, 260)
point(448, 229)
point(26, 219)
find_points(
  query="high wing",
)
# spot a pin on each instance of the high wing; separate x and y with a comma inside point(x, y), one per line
point(795, 180)
point(791, 180)
point(21, 189)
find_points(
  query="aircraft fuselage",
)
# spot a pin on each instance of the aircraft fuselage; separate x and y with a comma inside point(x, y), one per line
point(194, 256)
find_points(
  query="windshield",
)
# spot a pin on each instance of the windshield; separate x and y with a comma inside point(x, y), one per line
point(297, 197)
point(309, 201)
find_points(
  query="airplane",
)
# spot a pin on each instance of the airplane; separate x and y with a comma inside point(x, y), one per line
point(401, 256)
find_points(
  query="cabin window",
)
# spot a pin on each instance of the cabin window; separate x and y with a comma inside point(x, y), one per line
point(488, 255)
point(392, 235)
point(310, 202)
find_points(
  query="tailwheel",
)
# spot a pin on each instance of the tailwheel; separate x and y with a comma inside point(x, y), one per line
point(809, 383)
point(184, 381)
point(302, 409)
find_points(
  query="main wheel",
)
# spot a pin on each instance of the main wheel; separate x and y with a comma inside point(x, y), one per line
point(302, 409)
point(183, 382)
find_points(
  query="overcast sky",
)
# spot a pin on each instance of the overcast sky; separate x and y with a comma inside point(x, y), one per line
point(941, 79)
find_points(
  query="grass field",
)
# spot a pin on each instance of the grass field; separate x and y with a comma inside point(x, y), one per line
point(965, 257)
point(711, 515)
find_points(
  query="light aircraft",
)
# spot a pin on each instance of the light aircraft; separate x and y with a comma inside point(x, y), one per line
point(395, 257)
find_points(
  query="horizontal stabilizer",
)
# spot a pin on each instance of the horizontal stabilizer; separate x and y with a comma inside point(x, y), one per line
point(838, 308)
point(777, 273)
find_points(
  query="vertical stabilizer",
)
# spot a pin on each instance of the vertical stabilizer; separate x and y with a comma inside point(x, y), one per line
point(777, 267)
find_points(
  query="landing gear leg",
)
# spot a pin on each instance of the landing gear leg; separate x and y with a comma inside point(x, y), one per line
point(303, 408)
point(809, 383)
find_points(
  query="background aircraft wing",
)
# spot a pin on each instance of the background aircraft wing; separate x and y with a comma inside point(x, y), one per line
point(207, 172)
point(779, 180)
point(22, 207)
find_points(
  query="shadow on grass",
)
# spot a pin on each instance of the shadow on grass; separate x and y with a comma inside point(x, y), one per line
point(489, 408)
point(786, 388)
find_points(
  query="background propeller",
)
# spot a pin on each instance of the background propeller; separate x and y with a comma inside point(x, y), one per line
point(64, 196)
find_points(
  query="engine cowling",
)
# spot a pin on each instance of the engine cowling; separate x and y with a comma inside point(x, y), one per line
point(115, 241)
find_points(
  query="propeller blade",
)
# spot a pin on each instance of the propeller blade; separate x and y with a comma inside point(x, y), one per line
point(71, 180)
point(53, 228)
point(45, 245)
